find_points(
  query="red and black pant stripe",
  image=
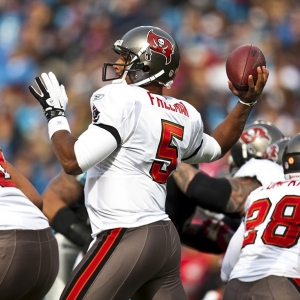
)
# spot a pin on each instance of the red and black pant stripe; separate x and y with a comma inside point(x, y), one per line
point(295, 282)
point(98, 256)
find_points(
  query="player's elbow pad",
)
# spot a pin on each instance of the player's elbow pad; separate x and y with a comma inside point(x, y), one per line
point(209, 192)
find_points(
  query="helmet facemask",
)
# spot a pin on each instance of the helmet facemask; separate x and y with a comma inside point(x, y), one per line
point(132, 64)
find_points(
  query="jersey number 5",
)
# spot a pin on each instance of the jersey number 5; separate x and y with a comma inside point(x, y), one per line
point(283, 228)
point(166, 153)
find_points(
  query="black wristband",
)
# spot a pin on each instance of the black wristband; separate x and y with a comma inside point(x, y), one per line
point(67, 223)
point(209, 192)
point(50, 114)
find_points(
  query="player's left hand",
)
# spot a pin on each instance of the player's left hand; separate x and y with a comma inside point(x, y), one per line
point(52, 96)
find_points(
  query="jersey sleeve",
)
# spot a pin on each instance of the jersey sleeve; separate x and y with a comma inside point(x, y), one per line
point(111, 107)
point(209, 150)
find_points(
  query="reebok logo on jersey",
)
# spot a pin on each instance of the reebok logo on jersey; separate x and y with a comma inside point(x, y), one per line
point(98, 97)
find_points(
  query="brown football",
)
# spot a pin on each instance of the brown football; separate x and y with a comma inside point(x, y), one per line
point(242, 62)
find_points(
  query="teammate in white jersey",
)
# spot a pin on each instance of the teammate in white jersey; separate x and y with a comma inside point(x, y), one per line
point(137, 138)
point(29, 252)
point(262, 260)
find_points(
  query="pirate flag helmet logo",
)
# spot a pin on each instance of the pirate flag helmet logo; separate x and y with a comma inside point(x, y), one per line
point(159, 44)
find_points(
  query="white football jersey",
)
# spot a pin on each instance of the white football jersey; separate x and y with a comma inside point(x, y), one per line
point(16, 210)
point(271, 233)
point(265, 171)
point(128, 188)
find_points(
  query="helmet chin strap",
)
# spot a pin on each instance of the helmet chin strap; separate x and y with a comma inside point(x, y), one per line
point(149, 79)
point(122, 79)
point(168, 84)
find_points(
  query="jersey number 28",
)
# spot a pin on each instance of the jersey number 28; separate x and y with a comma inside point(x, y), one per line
point(283, 228)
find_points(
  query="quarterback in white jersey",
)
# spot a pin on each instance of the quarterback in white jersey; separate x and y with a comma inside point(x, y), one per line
point(140, 119)
point(137, 138)
point(265, 249)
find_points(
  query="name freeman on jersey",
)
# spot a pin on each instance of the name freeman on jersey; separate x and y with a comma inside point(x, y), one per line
point(177, 107)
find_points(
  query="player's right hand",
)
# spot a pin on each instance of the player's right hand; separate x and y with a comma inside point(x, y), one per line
point(52, 96)
point(254, 91)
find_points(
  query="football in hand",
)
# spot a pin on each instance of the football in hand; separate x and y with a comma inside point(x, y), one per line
point(242, 62)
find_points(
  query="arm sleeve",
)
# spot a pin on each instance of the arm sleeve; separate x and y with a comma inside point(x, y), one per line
point(209, 192)
point(232, 253)
point(93, 146)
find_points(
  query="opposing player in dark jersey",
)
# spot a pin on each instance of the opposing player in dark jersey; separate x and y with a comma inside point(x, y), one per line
point(29, 252)
point(136, 140)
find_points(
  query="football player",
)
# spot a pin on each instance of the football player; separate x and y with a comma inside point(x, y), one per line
point(63, 205)
point(262, 260)
point(29, 252)
point(137, 138)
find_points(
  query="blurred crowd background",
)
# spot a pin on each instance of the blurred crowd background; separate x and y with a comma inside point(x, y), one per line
point(74, 38)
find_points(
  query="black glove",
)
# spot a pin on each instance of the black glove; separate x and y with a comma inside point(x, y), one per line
point(67, 223)
point(217, 231)
point(53, 97)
